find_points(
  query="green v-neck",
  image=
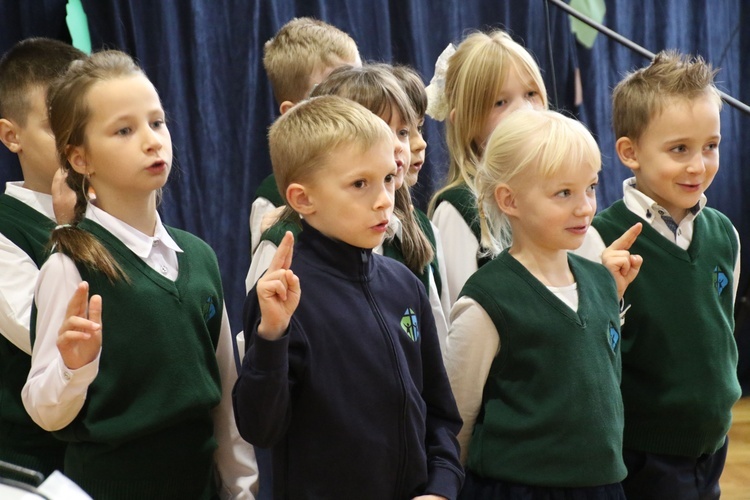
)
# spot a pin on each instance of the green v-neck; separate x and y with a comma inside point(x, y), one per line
point(578, 317)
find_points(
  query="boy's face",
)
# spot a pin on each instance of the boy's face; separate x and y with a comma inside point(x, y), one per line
point(677, 156)
point(351, 197)
point(418, 148)
point(36, 145)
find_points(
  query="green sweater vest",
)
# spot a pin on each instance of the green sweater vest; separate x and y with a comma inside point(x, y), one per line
point(146, 429)
point(22, 442)
point(463, 200)
point(679, 379)
point(551, 409)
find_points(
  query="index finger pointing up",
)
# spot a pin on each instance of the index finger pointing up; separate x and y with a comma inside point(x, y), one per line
point(282, 259)
point(627, 239)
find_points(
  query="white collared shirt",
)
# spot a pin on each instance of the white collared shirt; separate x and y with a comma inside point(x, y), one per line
point(54, 395)
point(18, 273)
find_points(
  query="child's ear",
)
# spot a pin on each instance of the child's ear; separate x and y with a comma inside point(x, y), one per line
point(285, 106)
point(626, 150)
point(298, 198)
point(505, 199)
point(452, 114)
point(77, 160)
point(8, 135)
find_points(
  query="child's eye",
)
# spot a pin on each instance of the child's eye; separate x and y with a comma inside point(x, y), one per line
point(531, 94)
point(359, 184)
point(420, 128)
point(123, 131)
point(679, 149)
point(404, 132)
point(157, 123)
point(713, 146)
point(500, 103)
point(390, 178)
point(592, 188)
point(563, 194)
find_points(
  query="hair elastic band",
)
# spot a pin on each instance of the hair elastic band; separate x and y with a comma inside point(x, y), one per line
point(60, 226)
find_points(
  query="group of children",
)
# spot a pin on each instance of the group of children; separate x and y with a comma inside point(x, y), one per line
point(513, 344)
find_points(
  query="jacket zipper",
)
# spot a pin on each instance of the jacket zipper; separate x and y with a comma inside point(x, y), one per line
point(389, 338)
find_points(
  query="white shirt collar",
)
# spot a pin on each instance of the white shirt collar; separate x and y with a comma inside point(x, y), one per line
point(138, 242)
point(647, 209)
point(38, 201)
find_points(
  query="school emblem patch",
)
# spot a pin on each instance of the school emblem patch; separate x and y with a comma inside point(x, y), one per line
point(208, 309)
point(720, 280)
point(410, 325)
point(614, 337)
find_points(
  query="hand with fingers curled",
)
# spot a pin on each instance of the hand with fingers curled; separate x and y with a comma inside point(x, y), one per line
point(80, 338)
point(278, 292)
point(623, 265)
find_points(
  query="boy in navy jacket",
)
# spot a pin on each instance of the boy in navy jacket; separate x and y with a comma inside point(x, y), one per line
point(345, 382)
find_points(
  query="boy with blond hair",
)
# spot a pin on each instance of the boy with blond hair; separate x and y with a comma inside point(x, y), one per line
point(679, 356)
point(301, 54)
point(343, 376)
point(26, 219)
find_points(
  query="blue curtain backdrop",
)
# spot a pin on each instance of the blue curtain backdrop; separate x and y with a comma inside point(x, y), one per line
point(205, 57)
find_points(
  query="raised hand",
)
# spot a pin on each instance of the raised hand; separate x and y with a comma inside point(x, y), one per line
point(278, 292)
point(80, 337)
point(618, 259)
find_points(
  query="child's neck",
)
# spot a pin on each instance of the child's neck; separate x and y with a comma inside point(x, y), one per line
point(139, 214)
point(551, 268)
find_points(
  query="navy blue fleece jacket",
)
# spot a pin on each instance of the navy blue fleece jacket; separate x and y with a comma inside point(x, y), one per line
point(353, 399)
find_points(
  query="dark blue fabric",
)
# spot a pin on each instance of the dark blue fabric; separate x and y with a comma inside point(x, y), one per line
point(205, 57)
point(665, 477)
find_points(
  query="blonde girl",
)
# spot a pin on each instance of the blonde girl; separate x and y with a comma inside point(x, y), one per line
point(534, 351)
point(487, 78)
point(137, 379)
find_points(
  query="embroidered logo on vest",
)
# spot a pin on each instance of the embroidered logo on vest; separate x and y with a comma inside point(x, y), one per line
point(410, 325)
point(208, 309)
point(720, 280)
point(614, 337)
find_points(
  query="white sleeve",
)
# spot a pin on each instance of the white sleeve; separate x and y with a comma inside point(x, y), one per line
point(592, 247)
point(18, 274)
point(235, 457)
point(261, 260)
point(441, 325)
point(460, 247)
point(472, 345)
point(53, 394)
point(440, 255)
point(258, 210)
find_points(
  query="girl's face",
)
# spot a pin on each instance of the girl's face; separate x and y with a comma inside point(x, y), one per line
point(418, 148)
point(553, 213)
point(128, 150)
point(518, 92)
point(402, 148)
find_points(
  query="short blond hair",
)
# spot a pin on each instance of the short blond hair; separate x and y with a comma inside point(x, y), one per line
point(539, 143)
point(475, 76)
point(299, 48)
point(301, 140)
point(642, 94)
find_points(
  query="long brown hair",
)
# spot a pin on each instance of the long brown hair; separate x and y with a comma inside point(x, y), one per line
point(68, 115)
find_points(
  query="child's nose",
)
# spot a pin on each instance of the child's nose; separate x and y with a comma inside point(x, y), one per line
point(697, 164)
point(385, 197)
point(152, 140)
